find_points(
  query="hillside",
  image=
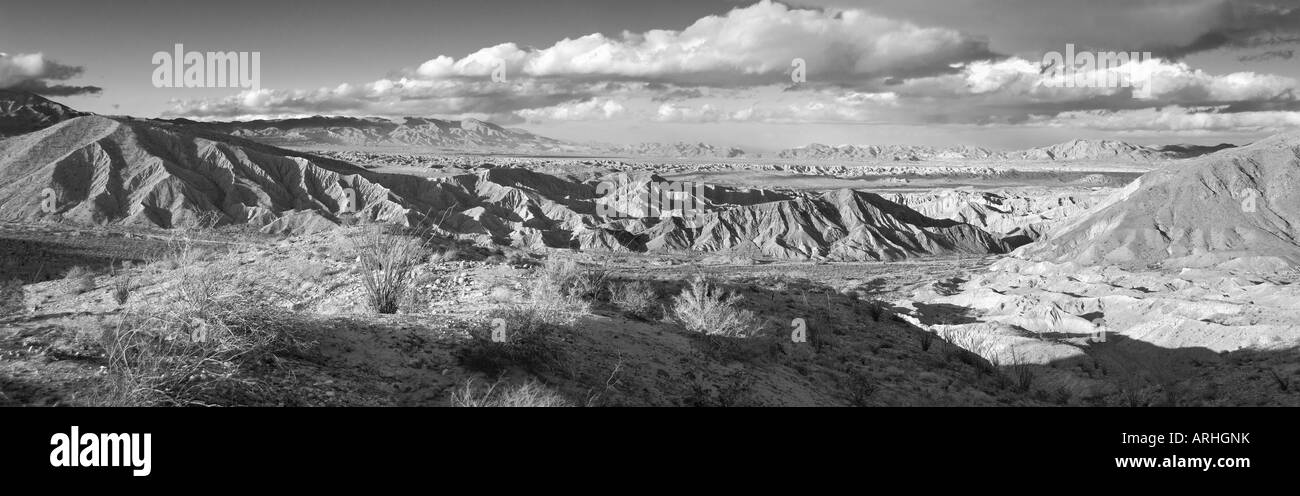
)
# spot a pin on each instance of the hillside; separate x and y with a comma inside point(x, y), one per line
point(1238, 207)
point(104, 171)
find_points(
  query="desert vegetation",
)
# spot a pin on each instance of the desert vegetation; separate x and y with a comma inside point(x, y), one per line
point(705, 308)
point(388, 262)
point(530, 394)
point(206, 344)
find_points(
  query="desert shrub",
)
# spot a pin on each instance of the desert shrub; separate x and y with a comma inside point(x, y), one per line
point(876, 309)
point(121, 290)
point(388, 263)
point(1022, 376)
point(1021, 373)
point(529, 394)
point(535, 326)
point(199, 222)
point(201, 346)
point(636, 298)
point(703, 308)
point(179, 251)
point(532, 345)
point(80, 280)
point(570, 278)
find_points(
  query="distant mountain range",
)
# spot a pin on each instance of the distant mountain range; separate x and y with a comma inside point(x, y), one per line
point(680, 149)
point(1070, 150)
point(468, 134)
point(22, 112)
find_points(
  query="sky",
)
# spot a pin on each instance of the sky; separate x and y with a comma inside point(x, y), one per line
point(759, 75)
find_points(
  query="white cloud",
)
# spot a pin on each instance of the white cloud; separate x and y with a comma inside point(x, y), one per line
point(679, 112)
point(589, 110)
point(758, 40)
point(33, 72)
point(1177, 119)
point(862, 68)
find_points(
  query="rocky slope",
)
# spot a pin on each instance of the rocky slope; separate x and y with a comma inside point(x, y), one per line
point(1179, 289)
point(1020, 215)
point(533, 210)
point(102, 171)
point(1237, 208)
point(22, 112)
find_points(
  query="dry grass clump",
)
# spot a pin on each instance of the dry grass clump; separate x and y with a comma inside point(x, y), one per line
point(180, 251)
point(199, 347)
point(572, 279)
point(529, 394)
point(701, 307)
point(636, 298)
point(448, 254)
point(877, 309)
point(534, 327)
point(121, 290)
point(388, 263)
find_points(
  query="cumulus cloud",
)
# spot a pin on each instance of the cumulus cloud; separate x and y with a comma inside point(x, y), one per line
point(389, 97)
point(1244, 24)
point(33, 72)
point(1169, 28)
point(588, 110)
point(863, 67)
point(749, 44)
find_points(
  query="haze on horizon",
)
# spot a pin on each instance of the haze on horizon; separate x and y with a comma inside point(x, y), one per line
point(886, 71)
